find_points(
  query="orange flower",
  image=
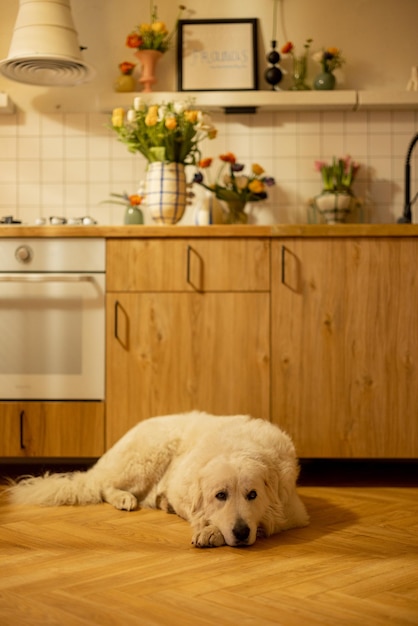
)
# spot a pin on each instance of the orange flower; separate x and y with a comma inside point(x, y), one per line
point(126, 67)
point(334, 51)
point(134, 199)
point(229, 157)
point(288, 47)
point(133, 41)
point(205, 162)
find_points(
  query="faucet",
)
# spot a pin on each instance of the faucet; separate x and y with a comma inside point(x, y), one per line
point(407, 214)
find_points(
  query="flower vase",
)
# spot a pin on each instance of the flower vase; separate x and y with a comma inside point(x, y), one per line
point(236, 212)
point(166, 195)
point(133, 215)
point(125, 83)
point(148, 60)
point(208, 210)
point(300, 68)
point(333, 206)
point(325, 81)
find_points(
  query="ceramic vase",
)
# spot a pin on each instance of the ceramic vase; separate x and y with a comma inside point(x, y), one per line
point(133, 215)
point(334, 207)
point(325, 81)
point(125, 83)
point(166, 194)
point(148, 60)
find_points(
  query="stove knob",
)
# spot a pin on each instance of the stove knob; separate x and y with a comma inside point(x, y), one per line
point(23, 254)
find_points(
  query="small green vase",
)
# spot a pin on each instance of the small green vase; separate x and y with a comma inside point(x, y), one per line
point(325, 81)
point(133, 215)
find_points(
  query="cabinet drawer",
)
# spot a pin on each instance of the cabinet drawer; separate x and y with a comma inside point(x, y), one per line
point(188, 265)
point(51, 429)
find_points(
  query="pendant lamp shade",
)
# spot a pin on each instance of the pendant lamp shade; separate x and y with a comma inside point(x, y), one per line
point(44, 49)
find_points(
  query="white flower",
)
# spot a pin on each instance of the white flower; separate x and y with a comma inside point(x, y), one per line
point(162, 112)
point(179, 107)
point(131, 116)
point(139, 104)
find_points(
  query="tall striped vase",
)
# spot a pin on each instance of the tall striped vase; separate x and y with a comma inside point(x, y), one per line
point(166, 192)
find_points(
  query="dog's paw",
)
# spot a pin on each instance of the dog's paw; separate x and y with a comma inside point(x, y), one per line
point(122, 500)
point(208, 537)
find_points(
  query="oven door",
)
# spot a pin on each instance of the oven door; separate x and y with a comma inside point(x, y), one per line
point(52, 336)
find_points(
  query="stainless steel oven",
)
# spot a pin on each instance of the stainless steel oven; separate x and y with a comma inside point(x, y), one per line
point(52, 318)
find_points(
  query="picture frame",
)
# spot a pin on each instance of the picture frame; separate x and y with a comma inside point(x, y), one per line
point(217, 55)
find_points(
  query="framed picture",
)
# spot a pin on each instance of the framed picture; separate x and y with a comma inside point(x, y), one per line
point(217, 55)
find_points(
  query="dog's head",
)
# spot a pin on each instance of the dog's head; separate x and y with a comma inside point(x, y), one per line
point(232, 494)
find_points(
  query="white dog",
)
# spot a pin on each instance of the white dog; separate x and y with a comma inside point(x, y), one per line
point(232, 478)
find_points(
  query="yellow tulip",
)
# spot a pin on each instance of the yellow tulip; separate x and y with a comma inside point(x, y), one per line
point(191, 116)
point(170, 123)
point(151, 120)
point(256, 186)
point(145, 28)
point(257, 169)
point(117, 117)
point(159, 28)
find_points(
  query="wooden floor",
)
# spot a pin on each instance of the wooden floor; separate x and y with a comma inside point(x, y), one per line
point(357, 563)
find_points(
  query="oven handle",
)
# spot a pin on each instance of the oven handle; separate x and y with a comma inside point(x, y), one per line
point(45, 278)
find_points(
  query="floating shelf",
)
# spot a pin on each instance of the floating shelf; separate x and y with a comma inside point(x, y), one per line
point(252, 101)
point(6, 105)
point(389, 100)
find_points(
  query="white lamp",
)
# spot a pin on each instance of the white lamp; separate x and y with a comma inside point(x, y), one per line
point(44, 49)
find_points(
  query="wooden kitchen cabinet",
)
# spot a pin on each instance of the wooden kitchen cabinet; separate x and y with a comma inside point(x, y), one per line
point(51, 429)
point(188, 327)
point(345, 345)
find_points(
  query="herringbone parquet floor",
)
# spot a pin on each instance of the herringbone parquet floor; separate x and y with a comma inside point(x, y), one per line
point(357, 563)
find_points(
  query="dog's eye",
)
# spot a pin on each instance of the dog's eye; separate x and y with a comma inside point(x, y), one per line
point(251, 495)
point(221, 495)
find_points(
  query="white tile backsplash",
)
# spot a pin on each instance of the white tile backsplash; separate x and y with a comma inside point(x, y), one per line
point(66, 164)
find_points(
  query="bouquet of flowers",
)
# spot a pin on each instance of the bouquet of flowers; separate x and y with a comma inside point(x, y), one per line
point(153, 35)
point(234, 185)
point(330, 59)
point(339, 175)
point(166, 132)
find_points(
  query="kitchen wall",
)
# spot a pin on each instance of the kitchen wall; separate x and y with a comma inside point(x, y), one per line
point(57, 156)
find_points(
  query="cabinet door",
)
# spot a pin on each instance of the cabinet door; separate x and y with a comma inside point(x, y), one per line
point(188, 265)
point(174, 352)
point(51, 429)
point(345, 346)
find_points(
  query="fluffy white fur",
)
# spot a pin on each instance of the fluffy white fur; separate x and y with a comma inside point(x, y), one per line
point(232, 477)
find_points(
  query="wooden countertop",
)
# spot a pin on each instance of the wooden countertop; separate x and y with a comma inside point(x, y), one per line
point(276, 230)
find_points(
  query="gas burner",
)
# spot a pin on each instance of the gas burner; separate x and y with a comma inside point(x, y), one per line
point(8, 219)
point(61, 221)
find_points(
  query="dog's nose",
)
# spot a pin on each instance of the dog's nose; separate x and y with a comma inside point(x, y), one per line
point(241, 530)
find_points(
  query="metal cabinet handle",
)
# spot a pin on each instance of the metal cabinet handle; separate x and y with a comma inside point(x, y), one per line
point(292, 279)
point(22, 435)
point(189, 280)
point(119, 310)
point(283, 265)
